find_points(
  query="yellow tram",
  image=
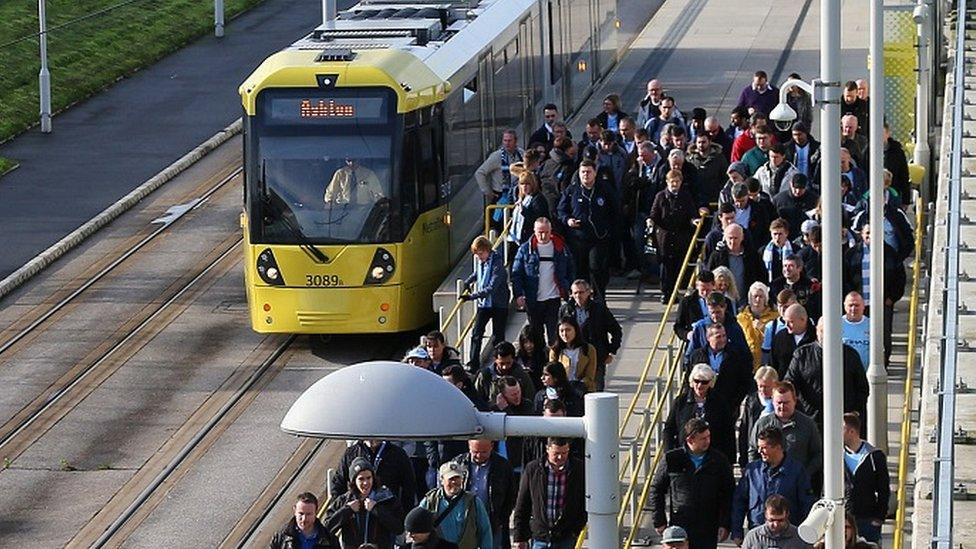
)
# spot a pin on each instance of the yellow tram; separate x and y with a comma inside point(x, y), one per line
point(360, 143)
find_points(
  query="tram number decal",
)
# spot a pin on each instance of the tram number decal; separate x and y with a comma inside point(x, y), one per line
point(322, 281)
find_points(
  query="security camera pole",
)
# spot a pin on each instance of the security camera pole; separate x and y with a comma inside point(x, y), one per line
point(877, 374)
point(833, 447)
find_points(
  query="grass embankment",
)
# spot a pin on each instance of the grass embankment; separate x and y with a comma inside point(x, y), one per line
point(88, 55)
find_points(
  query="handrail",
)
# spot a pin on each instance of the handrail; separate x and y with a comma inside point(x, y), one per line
point(906, 410)
point(660, 331)
point(656, 397)
point(446, 323)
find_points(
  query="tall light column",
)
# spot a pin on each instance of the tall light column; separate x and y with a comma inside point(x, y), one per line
point(877, 374)
point(44, 77)
point(329, 10)
point(833, 448)
point(921, 15)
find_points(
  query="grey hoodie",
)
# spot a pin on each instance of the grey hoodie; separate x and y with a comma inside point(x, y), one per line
point(761, 538)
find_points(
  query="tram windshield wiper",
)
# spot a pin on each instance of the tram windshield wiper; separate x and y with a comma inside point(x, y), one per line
point(272, 204)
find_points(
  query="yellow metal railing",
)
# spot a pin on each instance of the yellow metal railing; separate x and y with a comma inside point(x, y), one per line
point(499, 241)
point(657, 398)
point(906, 423)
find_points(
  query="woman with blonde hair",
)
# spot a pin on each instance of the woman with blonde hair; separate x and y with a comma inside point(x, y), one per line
point(530, 205)
point(757, 404)
point(698, 400)
point(725, 284)
point(753, 319)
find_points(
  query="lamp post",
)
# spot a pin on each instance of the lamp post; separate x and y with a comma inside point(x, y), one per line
point(368, 401)
point(329, 10)
point(921, 15)
point(44, 76)
point(825, 93)
point(877, 374)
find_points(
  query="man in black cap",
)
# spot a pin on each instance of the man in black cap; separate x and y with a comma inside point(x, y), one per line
point(696, 126)
point(803, 151)
point(419, 532)
point(793, 202)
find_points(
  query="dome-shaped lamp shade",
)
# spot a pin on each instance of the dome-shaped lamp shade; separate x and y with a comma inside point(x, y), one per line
point(382, 400)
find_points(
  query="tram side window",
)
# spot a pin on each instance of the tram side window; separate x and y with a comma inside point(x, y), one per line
point(428, 168)
point(408, 178)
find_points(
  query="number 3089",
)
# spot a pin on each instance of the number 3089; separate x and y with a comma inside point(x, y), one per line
point(323, 280)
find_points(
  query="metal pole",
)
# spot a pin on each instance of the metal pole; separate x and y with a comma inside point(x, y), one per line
point(877, 374)
point(44, 77)
point(219, 18)
point(833, 446)
point(601, 420)
point(922, 152)
point(329, 11)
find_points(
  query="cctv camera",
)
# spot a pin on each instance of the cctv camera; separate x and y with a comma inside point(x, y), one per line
point(817, 522)
point(920, 14)
point(782, 113)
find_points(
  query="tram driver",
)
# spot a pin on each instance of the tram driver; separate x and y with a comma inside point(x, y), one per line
point(354, 184)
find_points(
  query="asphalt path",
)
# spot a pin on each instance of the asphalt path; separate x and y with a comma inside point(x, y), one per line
point(106, 146)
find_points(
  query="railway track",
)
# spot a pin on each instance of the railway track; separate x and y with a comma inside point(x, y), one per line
point(18, 433)
point(29, 323)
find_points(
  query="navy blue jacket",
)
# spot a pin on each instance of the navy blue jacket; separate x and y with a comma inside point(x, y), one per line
point(525, 268)
point(597, 209)
point(789, 480)
point(493, 291)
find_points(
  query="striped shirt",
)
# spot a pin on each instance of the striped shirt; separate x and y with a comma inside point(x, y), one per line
point(866, 276)
point(555, 492)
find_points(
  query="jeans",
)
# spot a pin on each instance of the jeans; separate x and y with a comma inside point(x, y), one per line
point(499, 318)
point(869, 531)
point(561, 544)
point(544, 315)
point(591, 259)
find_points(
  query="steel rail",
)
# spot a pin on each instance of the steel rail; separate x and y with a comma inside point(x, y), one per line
point(942, 509)
point(906, 410)
point(63, 391)
point(115, 263)
point(175, 463)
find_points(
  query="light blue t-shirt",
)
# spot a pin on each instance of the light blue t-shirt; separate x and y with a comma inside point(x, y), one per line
point(697, 459)
point(858, 336)
point(853, 459)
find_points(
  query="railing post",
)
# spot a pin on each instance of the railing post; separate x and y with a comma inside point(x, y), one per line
point(506, 231)
point(634, 471)
point(329, 474)
point(460, 314)
point(646, 422)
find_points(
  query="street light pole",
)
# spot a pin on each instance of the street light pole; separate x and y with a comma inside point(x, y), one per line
point(833, 447)
point(329, 10)
point(921, 15)
point(44, 77)
point(219, 18)
point(877, 374)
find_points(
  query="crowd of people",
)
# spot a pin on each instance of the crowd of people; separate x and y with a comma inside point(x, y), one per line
point(626, 200)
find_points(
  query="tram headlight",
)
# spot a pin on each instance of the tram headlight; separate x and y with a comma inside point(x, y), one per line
point(268, 270)
point(381, 268)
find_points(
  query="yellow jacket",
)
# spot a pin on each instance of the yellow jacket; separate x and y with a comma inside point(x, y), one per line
point(585, 365)
point(753, 328)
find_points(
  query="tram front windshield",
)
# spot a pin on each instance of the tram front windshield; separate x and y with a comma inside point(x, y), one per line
point(325, 167)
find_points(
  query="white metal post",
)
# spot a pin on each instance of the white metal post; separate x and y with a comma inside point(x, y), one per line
point(922, 15)
point(44, 77)
point(601, 419)
point(219, 18)
point(877, 374)
point(329, 10)
point(833, 447)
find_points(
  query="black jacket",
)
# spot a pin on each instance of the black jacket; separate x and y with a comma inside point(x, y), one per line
point(721, 423)
point(783, 346)
point(393, 470)
point(597, 209)
point(754, 268)
point(794, 208)
point(538, 207)
point(752, 410)
point(734, 379)
point(531, 521)
point(379, 526)
point(433, 542)
point(700, 500)
point(542, 135)
point(894, 272)
point(807, 293)
point(556, 175)
point(806, 373)
point(287, 537)
point(600, 329)
point(791, 152)
point(868, 489)
point(672, 214)
point(501, 487)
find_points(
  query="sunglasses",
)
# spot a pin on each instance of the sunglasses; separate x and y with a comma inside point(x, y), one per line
point(701, 381)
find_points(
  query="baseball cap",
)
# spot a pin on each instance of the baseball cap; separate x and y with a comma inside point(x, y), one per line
point(808, 226)
point(451, 469)
point(674, 534)
point(418, 352)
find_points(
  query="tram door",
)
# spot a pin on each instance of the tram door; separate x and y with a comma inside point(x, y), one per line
point(489, 139)
point(527, 56)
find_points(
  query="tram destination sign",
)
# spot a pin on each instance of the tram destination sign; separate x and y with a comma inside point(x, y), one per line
point(325, 109)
